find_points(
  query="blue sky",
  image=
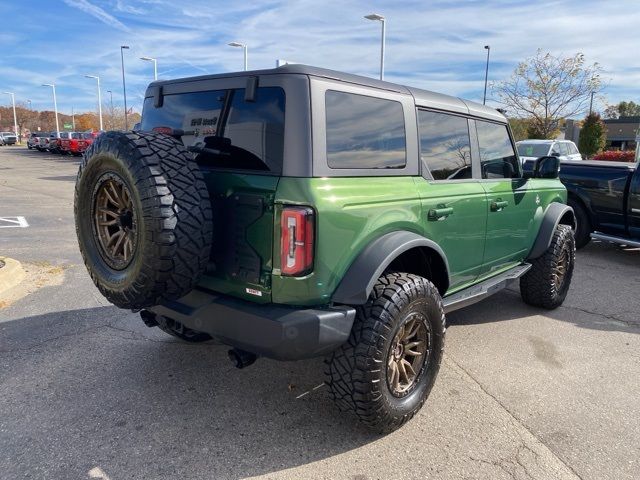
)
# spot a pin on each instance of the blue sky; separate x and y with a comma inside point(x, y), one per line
point(436, 45)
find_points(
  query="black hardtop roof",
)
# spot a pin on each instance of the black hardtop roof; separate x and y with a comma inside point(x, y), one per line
point(423, 97)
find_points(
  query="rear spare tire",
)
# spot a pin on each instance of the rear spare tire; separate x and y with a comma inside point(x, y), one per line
point(143, 218)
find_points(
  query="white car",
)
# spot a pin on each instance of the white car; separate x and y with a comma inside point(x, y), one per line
point(532, 149)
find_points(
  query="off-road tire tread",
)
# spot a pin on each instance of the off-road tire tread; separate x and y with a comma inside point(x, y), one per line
point(177, 213)
point(536, 286)
point(351, 371)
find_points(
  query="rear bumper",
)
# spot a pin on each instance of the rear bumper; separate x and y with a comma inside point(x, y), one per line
point(273, 331)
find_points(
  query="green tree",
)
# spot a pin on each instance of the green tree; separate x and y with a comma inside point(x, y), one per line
point(547, 88)
point(593, 135)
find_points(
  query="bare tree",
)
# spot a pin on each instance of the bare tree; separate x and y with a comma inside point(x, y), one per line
point(547, 88)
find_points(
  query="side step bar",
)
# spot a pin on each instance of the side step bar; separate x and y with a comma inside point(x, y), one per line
point(483, 289)
point(614, 239)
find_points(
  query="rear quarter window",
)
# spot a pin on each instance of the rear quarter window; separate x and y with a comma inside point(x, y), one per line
point(364, 132)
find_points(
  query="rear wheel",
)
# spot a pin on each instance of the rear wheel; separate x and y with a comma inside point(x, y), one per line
point(547, 282)
point(386, 369)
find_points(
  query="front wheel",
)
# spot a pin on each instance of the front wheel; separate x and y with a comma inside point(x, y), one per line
point(386, 369)
point(547, 282)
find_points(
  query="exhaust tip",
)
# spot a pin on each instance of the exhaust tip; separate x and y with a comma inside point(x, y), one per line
point(240, 358)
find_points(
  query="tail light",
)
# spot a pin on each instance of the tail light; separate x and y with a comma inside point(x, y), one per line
point(296, 251)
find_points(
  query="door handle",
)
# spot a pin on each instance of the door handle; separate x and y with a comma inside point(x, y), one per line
point(498, 205)
point(440, 213)
point(635, 210)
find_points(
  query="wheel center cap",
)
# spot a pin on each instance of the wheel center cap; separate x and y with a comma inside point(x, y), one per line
point(125, 219)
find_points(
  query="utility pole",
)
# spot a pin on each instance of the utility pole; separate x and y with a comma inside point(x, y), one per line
point(591, 103)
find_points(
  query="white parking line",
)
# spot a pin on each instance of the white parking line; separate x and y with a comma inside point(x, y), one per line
point(13, 222)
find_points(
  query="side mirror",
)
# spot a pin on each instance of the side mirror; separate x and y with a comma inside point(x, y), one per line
point(546, 167)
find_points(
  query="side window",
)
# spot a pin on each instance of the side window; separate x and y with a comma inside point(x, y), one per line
point(364, 132)
point(445, 149)
point(573, 150)
point(497, 157)
point(564, 148)
point(555, 149)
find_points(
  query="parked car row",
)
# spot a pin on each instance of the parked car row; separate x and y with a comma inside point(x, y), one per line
point(64, 143)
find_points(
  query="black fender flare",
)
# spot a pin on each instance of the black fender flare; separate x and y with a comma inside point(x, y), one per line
point(361, 276)
point(553, 215)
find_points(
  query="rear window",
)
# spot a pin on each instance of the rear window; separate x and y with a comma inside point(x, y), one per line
point(364, 132)
point(76, 136)
point(533, 149)
point(228, 131)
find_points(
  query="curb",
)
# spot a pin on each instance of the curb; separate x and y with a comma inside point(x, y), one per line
point(11, 274)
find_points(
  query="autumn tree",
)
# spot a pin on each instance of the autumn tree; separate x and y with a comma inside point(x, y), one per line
point(622, 109)
point(547, 88)
point(593, 135)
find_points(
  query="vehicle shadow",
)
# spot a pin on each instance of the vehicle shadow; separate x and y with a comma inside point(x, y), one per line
point(607, 301)
point(95, 388)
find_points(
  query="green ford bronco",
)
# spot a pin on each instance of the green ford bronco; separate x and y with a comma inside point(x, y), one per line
point(300, 212)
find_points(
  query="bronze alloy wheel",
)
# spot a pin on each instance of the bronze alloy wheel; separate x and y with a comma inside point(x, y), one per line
point(407, 356)
point(114, 221)
point(560, 270)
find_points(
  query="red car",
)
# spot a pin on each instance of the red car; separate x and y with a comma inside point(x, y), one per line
point(78, 142)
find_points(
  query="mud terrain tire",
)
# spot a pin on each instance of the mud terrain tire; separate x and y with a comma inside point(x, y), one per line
point(360, 374)
point(143, 218)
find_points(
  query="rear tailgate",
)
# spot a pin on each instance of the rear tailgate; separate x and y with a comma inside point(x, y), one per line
point(239, 146)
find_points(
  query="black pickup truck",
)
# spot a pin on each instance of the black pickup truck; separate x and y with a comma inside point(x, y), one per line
point(605, 197)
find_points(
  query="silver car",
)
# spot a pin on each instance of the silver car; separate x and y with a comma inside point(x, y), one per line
point(8, 138)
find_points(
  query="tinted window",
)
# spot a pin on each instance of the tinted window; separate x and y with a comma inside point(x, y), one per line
point(364, 132)
point(533, 149)
point(236, 134)
point(497, 157)
point(444, 145)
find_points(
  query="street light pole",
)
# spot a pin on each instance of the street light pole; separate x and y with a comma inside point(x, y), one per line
point(15, 119)
point(124, 85)
point(245, 51)
point(486, 75)
point(155, 65)
point(55, 106)
point(382, 20)
point(99, 99)
point(591, 103)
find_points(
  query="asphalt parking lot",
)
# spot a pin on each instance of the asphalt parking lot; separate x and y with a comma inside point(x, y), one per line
point(89, 392)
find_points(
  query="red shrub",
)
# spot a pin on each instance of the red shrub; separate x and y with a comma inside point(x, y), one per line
point(617, 156)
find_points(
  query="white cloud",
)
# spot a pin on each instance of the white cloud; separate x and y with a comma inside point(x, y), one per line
point(98, 13)
point(436, 45)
